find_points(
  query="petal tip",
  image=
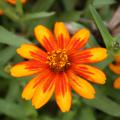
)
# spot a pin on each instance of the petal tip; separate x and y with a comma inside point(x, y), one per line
point(116, 83)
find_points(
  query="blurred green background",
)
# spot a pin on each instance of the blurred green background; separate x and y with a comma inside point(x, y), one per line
point(16, 28)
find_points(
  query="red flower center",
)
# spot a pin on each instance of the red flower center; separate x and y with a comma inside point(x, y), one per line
point(58, 60)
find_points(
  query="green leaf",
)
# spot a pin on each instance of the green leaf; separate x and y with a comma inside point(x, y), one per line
point(9, 38)
point(13, 91)
point(11, 109)
point(69, 5)
point(9, 11)
point(5, 75)
point(86, 114)
point(70, 16)
point(33, 16)
point(104, 104)
point(6, 54)
point(68, 116)
point(103, 30)
point(19, 7)
point(100, 3)
point(42, 5)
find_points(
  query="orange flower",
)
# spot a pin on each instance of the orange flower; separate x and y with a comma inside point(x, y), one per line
point(60, 67)
point(116, 69)
point(13, 2)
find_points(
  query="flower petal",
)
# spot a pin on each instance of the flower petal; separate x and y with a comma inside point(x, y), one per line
point(61, 34)
point(32, 85)
point(81, 86)
point(89, 55)
point(1, 12)
point(14, 1)
point(27, 68)
point(63, 93)
point(117, 83)
point(117, 59)
point(45, 37)
point(31, 51)
point(115, 68)
point(79, 39)
point(90, 73)
point(44, 92)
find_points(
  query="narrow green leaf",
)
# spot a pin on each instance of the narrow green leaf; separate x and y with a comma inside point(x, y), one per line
point(6, 54)
point(42, 5)
point(13, 91)
point(33, 16)
point(103, 30)
point(9, 38)
point(9, 11)
point(19, 7)
point(99, 3)
point(104, 104)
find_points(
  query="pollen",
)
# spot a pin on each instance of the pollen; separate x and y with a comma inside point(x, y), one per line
point(58, 60)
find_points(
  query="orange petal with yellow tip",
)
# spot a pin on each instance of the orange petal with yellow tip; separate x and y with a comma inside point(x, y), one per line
point(14, 1)
point(91, 55)
point(1, 12)
point(117, 83)
point(90, 73)
point(45, 37)
point(44, 92)
point(27, 68)
point(30, 88)
point(81, 86)
point(33, 84)
point(115, 68)
point(79, 39)
point(63, 93)
point(61, 34)
point(117, 59)
point(31, 51)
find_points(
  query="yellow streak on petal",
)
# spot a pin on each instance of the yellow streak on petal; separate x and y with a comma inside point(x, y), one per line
point(98, 54)
point(82, 34)
point(64, 103)
point(42, 33)
point(117, 83)
point(19, 70)
point(95, 75)
point(40, 96)
point(60, 29)
point(80, 38)
point(26, 49)
point(63, 93)
point(82, 87)
point(30, 88)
